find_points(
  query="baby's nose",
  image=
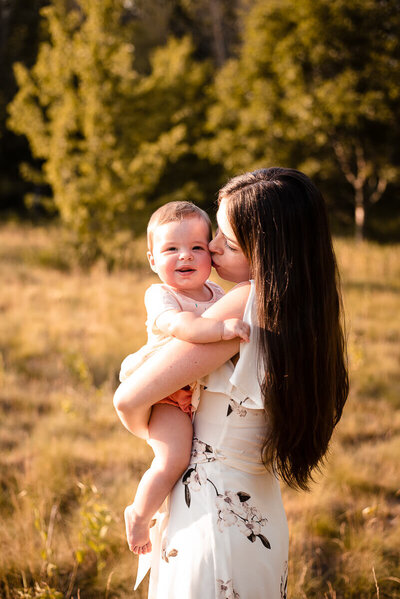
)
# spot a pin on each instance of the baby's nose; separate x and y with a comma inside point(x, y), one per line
point(185, 255)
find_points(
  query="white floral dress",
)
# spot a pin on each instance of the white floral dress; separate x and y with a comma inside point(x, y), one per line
point(224, 534)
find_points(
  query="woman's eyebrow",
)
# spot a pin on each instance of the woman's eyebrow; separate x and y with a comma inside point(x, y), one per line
point(226, 237)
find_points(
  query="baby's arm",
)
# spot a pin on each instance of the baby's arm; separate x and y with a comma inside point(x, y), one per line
point(187, 326)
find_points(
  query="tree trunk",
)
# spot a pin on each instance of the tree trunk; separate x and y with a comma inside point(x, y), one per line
point(359, 215)
point(357, 180)
point(218, 33)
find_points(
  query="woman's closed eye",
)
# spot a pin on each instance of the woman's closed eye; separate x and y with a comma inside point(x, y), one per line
point(218, 233)
point(229, 246)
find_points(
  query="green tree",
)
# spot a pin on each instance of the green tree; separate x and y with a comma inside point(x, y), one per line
point(66, 105)
point(314, 87)
point(108, 136)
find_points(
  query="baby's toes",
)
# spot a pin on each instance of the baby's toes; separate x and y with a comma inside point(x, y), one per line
point(147, 548)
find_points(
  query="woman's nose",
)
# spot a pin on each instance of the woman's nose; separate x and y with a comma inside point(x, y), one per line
point(214, 246)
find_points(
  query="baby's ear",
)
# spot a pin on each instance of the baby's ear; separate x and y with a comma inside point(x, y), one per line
point(152, 263)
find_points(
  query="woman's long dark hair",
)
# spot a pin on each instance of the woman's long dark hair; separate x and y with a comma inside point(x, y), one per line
point(280, 221)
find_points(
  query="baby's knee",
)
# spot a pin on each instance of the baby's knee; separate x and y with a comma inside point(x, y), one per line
point(182, 459)
point(172, 462)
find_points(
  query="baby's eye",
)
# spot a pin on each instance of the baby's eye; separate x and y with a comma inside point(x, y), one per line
point(198, 247)
point(170, 249)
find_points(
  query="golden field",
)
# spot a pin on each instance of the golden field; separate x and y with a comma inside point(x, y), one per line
point(68, 468)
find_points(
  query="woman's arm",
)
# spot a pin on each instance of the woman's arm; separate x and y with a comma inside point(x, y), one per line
point(177, 364)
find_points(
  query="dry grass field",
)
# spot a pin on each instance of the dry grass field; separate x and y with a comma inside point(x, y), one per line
point(67, 467)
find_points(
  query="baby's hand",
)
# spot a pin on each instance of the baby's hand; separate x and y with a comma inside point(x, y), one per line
point(234, 327)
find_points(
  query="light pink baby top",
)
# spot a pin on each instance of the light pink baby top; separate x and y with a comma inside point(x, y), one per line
point(160, 297)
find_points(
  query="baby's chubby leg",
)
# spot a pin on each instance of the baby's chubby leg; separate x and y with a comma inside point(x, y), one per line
point(170, 436)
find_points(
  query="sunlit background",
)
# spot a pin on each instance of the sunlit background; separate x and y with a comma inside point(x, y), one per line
point(108, 110)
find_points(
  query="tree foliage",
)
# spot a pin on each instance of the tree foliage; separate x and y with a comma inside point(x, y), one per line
point(132, 103)
point(315, 86)
point(107, 135)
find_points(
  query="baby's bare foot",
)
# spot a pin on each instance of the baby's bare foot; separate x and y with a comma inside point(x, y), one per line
point(142, 550)
point(137, 531)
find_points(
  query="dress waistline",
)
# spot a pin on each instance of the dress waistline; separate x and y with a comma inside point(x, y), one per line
point(203, 453)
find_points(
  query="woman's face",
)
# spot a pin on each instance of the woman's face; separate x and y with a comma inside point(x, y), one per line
point(227, 257)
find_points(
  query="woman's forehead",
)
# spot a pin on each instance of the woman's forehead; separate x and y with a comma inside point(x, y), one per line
point(221, 212)
point(222, 219)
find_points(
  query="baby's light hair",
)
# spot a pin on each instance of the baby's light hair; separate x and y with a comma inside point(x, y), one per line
point(175, 212)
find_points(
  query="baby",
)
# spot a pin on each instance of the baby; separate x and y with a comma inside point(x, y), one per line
point(178, 234)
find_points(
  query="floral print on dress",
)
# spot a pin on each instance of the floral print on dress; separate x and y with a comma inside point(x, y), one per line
point(284, 581)
point(193, 479)
point(196, 476)
point(226, 590)
point(171, 553)
point(236, 408)
point(233, 507)
point(201, 452)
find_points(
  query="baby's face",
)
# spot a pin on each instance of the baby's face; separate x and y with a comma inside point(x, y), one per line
point(180, 253)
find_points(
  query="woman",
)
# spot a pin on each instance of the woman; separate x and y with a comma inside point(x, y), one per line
point(267, 408)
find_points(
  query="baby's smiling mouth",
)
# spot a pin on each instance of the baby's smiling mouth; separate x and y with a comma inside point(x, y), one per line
point(185, 269)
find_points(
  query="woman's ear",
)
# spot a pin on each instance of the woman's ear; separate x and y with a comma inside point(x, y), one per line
point(152, 263)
